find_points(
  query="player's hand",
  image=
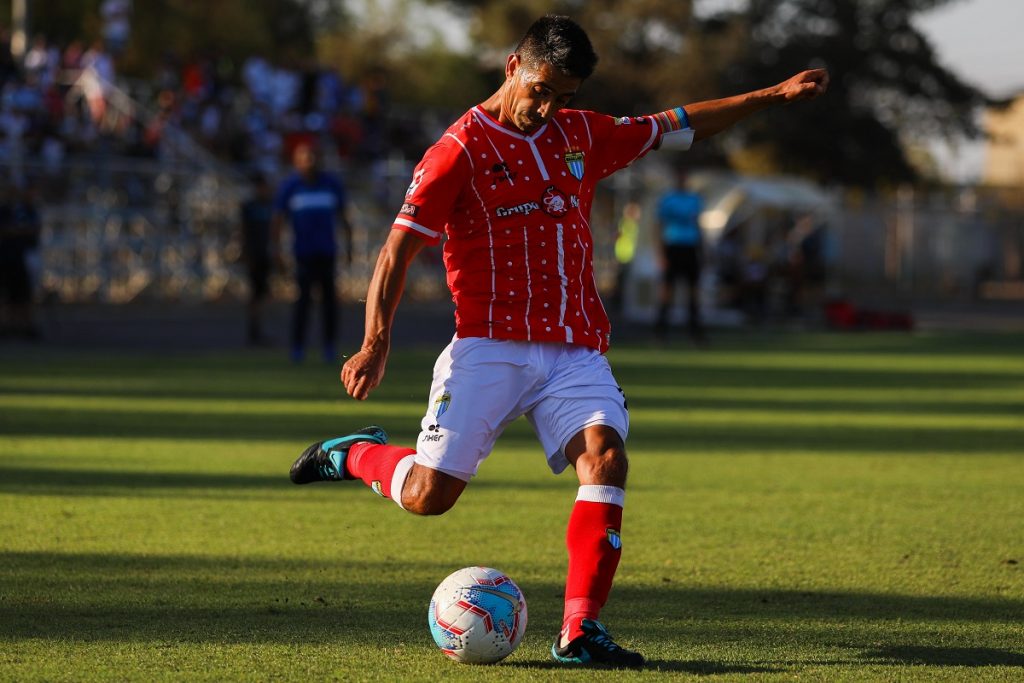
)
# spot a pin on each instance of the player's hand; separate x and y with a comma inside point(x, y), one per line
point(363, 372)
point(805, 85)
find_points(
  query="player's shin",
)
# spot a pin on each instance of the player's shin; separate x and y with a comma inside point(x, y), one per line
point(382, 468)
point(594, 544)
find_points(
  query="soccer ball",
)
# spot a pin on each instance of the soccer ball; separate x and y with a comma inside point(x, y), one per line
point(477, 615)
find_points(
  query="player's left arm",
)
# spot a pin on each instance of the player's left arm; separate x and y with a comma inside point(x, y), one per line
point(713, 116)
point(701, 120)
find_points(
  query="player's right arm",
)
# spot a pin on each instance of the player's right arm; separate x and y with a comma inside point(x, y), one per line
point(365, 370)
point(436, 182)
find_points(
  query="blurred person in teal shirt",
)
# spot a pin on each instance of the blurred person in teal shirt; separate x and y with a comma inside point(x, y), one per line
point(681, 251)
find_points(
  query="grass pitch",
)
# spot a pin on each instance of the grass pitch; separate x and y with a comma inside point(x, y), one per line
point(816, 507)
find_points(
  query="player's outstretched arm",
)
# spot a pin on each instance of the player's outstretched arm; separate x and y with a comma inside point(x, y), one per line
point(713, 116)
point(365, 370)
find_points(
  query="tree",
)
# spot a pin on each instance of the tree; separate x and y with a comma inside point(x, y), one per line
point(887, 91)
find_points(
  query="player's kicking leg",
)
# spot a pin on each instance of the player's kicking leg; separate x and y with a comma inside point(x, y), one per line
point(389, 471)
point(594, 543)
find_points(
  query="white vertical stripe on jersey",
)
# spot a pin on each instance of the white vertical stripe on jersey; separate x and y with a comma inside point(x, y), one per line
point(540, 162)
point(490, 238)
point(583, 291)
point(563, 283)
point(586, 126)
point(564, 136)
point(593, 279)
point(529, 289)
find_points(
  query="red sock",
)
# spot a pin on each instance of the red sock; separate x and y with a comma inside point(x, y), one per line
point(378, 465)
point(594, 550)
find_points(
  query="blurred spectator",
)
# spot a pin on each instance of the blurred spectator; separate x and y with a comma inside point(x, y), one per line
point(96, 80)
point(754, 283)
point(19, 243)
point(681, 245)
point(806, 262)
point(117, 25)
point(312, 200)
point(39, 67)
point(256, 217)
point(625, 249)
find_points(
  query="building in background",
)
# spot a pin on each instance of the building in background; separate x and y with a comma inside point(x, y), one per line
point(1004, 155)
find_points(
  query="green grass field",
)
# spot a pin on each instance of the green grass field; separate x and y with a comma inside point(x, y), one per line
point(816, 507)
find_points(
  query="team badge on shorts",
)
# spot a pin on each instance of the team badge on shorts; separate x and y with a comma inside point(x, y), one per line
point(442, 403)
point(378, 488)
point(613, 538)
point(574, 160)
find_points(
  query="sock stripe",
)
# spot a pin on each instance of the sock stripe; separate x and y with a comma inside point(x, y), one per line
point(398, 478)
point(595, 493)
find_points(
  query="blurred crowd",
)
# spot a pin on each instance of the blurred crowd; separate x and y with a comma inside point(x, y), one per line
point(61, 102)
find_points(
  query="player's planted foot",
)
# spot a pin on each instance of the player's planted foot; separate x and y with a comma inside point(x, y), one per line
point(325, 460)
point(595, 646)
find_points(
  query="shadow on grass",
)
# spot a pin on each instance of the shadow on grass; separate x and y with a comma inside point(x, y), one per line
point(156, 598)
point(32, 481)
point(647, 433)
point(694, 667)
point(928, 655)
point(46, 481)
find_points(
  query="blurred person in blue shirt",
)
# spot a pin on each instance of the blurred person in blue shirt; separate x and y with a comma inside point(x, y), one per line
point(681, 246)
point(313, 202)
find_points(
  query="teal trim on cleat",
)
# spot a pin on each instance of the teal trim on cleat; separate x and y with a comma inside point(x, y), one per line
point(325, 461)
point(595, 646)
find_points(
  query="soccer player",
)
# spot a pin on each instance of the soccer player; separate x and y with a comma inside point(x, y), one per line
point(511, 184)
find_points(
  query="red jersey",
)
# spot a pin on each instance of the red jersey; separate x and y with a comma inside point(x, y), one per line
point(516, 211)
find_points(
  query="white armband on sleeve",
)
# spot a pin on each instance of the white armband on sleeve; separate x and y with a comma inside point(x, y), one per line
point(677, 139)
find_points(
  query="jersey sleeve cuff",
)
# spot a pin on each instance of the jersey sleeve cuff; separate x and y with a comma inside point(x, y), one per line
point(422, 231)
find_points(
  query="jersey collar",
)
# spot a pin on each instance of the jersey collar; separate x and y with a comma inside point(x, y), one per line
point(489, 120)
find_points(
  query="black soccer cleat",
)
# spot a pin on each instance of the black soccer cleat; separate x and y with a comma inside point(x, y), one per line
point(325, 460)
point(595, 646)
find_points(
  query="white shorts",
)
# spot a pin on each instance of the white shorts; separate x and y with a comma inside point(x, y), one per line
point(481, 385)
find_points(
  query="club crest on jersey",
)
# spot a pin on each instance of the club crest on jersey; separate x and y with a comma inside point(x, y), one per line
point(555, 202)
point(613, 538)
point(574, 160)
point(441, 403)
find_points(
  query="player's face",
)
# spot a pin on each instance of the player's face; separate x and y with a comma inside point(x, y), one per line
point(534, 94)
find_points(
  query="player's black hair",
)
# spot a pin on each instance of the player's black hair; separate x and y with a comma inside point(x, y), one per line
point(560, 42)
